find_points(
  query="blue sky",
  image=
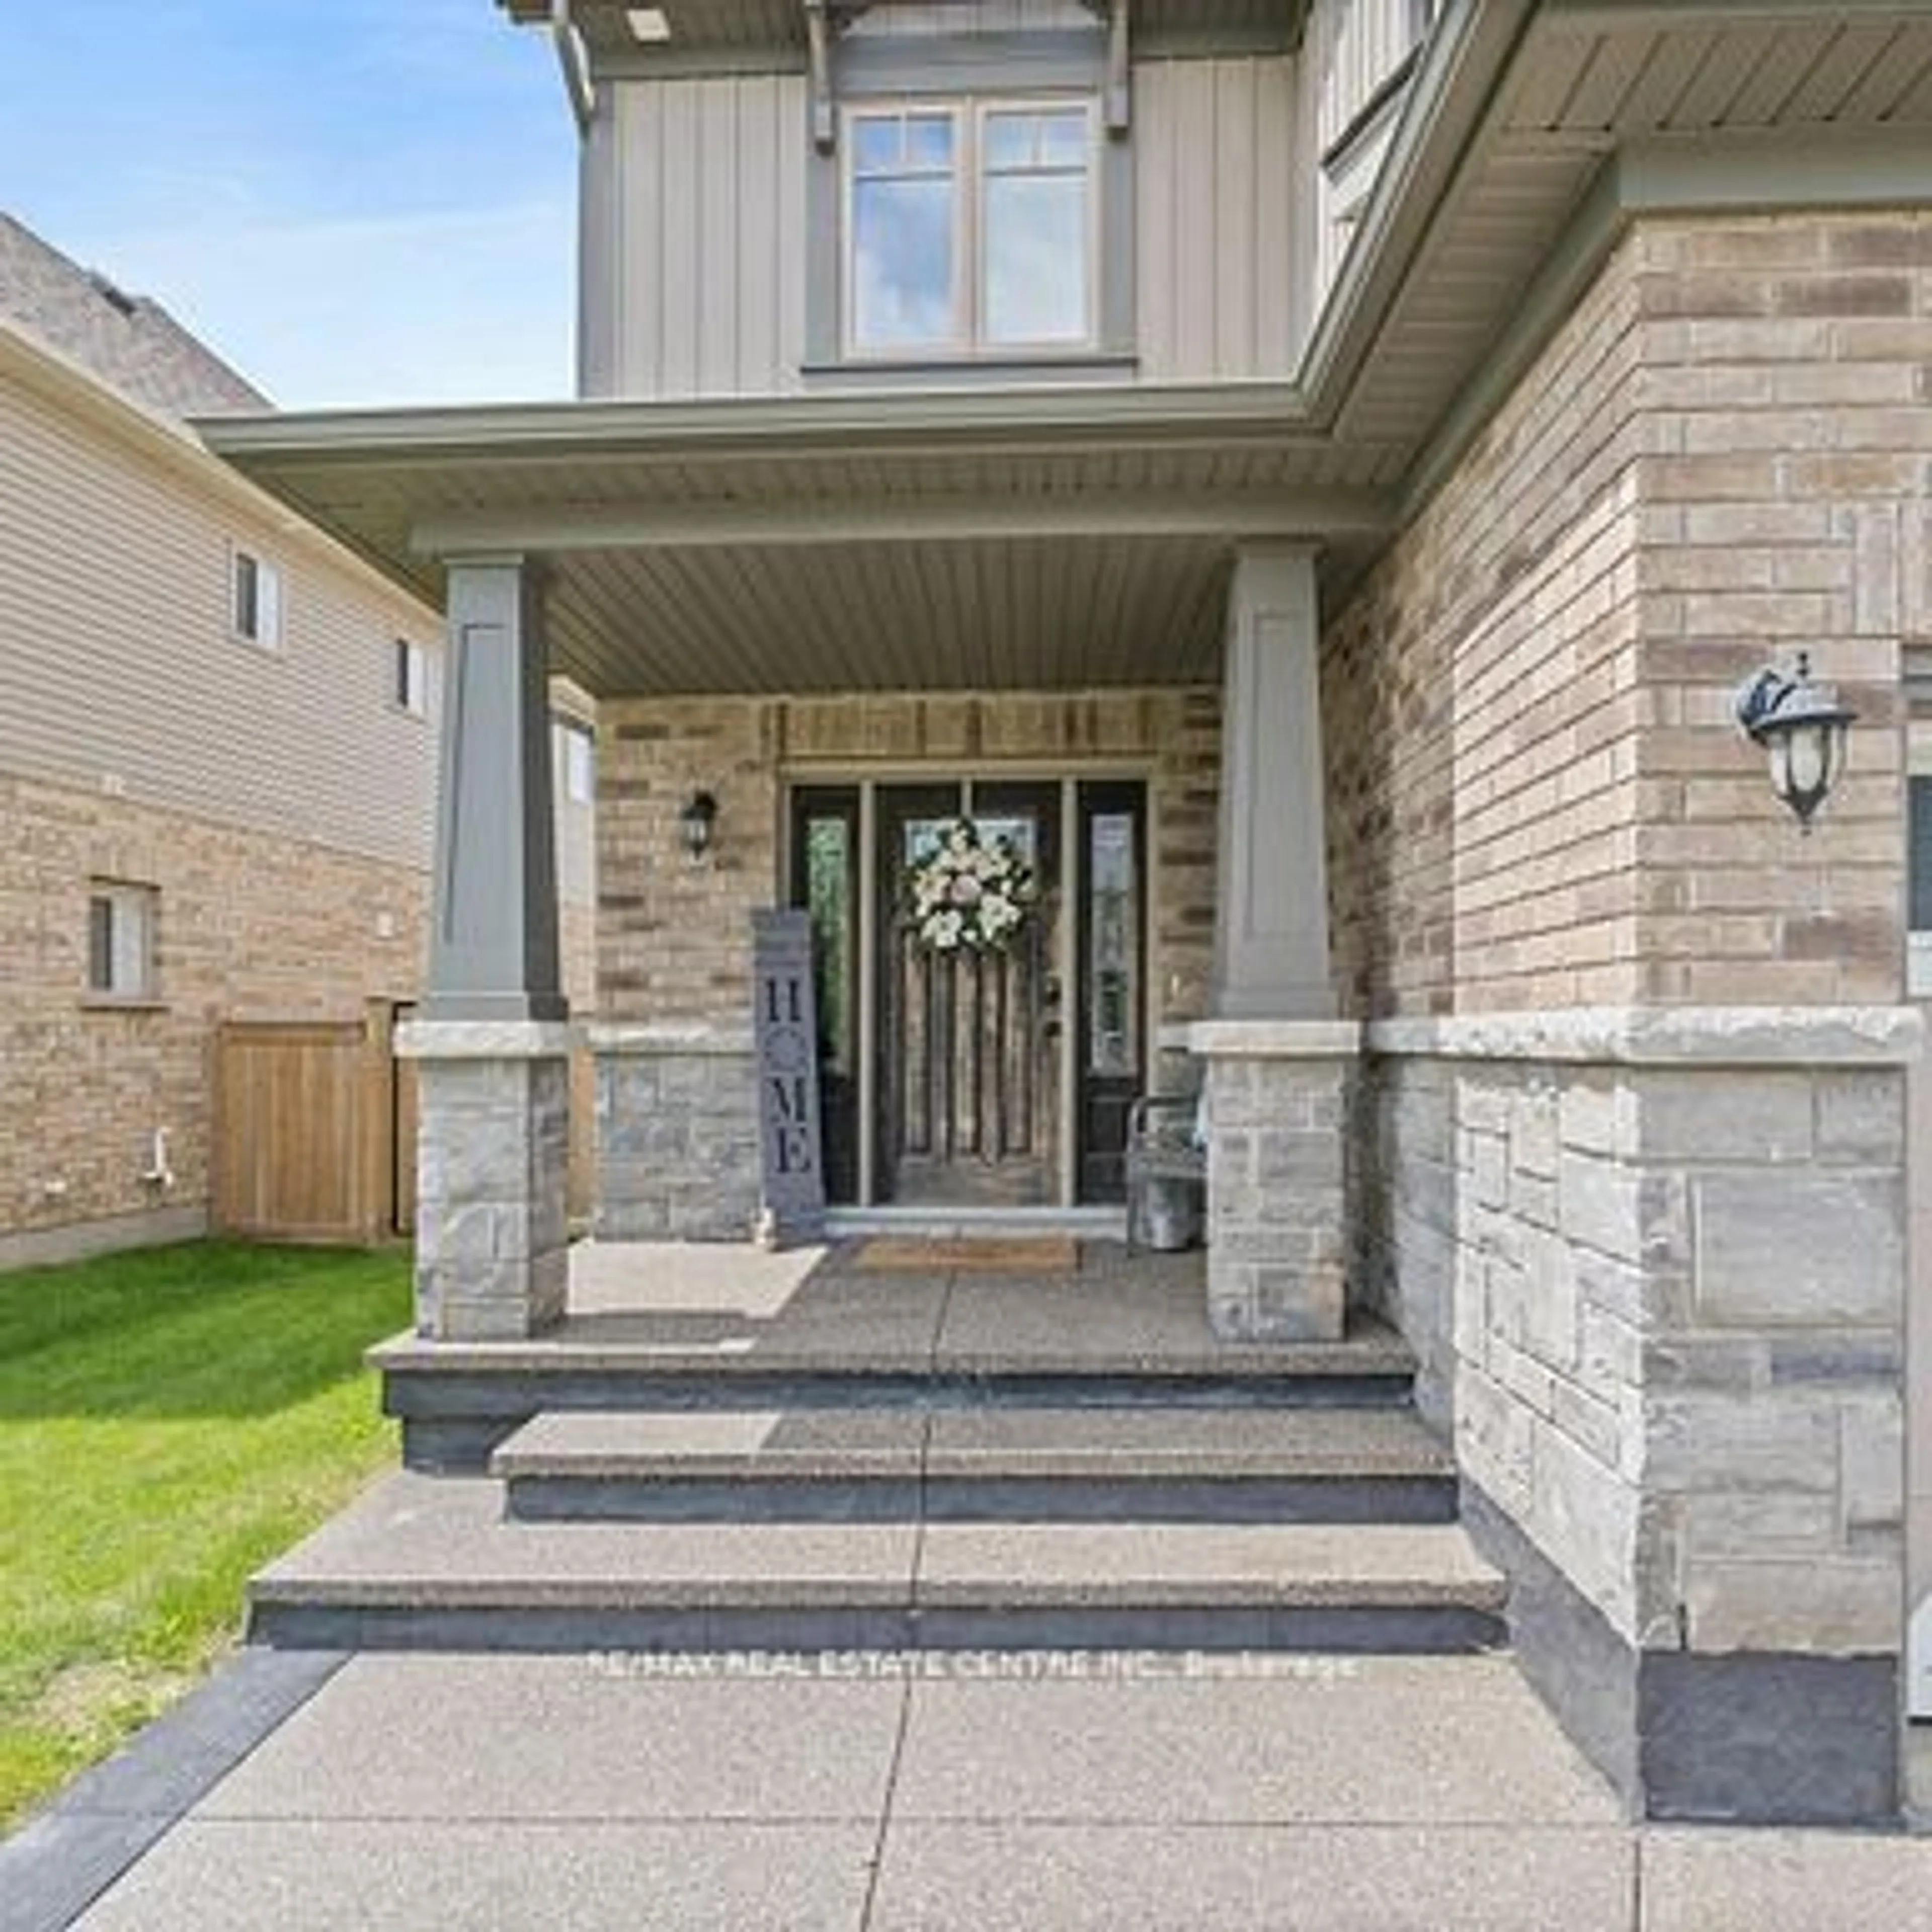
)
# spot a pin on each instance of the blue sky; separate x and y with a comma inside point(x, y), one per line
point(354, 201)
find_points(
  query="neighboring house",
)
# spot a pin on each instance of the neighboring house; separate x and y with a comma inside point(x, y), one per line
point(1312, 474)
point(218, 766)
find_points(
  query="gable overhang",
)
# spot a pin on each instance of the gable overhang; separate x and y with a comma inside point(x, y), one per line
point(1058, 537)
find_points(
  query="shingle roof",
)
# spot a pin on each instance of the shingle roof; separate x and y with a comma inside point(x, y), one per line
point(129, 342)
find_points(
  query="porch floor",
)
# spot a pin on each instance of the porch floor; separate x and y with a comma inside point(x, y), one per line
point(712, 1309)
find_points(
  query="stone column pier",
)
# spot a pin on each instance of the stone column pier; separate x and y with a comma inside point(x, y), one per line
point(491, 1047)
point(1278, 1067)
point(1278, 1093)
point(493, 1167)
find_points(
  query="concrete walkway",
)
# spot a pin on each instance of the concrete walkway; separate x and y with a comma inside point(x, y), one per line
point(975, 1791)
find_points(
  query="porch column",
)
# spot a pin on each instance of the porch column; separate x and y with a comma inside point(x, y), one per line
point(491, 1046)
point(1278, 1067)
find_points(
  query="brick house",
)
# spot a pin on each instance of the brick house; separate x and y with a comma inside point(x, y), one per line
point(217, 767)
point(1311, 474)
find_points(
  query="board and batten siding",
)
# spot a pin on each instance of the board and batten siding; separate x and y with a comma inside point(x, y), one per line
point(694, 268)
point(118, 671)
point(1214, 222)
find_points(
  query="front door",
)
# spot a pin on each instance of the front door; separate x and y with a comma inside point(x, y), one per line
point(970, 1034)
point(954, 1074)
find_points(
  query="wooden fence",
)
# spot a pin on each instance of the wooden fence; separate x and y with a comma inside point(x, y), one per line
point(306, 1140)
point(315, 1131)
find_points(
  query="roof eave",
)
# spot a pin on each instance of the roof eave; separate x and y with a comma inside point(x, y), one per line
point(786, 426)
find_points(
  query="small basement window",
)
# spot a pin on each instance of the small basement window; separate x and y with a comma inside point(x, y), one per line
point(255, 605)
point(121, 933)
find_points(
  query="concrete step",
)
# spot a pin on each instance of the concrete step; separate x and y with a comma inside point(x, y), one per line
point(458, 1401)
point(979, 1463)
point(427, 1563)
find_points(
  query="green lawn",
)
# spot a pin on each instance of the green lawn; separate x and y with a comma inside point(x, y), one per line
point(169, 1420)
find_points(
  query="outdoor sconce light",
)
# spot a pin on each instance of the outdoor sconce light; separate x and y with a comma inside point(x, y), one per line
point(1802, 728)
point(694, 825)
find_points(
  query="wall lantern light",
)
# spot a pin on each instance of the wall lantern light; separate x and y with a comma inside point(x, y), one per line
point(1802, 728)
point(694, 825)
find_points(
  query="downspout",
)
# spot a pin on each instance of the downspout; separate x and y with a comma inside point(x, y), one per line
point(569, 46)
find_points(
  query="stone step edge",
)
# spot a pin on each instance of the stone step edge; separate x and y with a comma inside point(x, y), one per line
point(1420, 1592)
point(1376, 1358)
point(513, 1460)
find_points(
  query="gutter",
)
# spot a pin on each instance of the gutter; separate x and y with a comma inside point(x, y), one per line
point(1218, 416)
point(570, 58)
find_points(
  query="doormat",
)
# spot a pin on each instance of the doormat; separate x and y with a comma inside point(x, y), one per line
point(981, 1254)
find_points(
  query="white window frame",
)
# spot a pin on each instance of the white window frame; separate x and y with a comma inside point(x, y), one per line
point(967, 340)
point(127, 971)
point(579, 761)
point(255, 618)
point(408, 678)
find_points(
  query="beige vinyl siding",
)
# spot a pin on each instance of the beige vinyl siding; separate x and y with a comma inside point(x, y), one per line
point(1214, 219)
point(119, 672)
point(704, 278)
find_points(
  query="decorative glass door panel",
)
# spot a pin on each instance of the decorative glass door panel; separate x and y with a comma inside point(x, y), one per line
point(1112, 1004)
point(825, 876)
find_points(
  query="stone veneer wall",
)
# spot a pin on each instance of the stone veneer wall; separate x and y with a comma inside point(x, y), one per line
point(1657, 1289)
point(677, 1137)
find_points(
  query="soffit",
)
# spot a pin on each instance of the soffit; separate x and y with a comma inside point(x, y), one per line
point(1587, 80)
point(737, 28)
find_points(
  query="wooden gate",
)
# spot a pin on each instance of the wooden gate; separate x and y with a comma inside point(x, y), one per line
point(305, 1130)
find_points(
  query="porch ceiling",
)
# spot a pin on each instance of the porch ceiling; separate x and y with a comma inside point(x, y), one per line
point(839, 547)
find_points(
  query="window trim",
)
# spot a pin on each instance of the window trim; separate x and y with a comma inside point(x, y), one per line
point(968, 343)
point(266, 618)
point(124, 899)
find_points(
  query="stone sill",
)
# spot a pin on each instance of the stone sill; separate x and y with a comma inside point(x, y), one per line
point(484, 1039)
point(1665, 1036)
point(122, 1002)
point(1275, 1040)
point(672, 1042)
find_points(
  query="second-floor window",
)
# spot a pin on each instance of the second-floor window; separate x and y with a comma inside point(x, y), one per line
point(969, 228)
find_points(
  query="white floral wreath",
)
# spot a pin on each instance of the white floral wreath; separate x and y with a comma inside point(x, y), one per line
point(966, 891)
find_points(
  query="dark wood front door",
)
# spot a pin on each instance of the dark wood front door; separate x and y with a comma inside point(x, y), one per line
point(976, 1079)
point(969, 1060)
